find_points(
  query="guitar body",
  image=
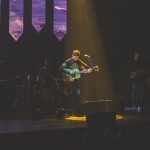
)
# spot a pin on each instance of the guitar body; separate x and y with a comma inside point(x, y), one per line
point(68, 77)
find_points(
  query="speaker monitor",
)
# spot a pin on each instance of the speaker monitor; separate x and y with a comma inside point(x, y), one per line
point(101, 121)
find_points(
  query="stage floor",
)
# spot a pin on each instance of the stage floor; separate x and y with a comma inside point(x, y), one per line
point(27, 123)
point(50, 132)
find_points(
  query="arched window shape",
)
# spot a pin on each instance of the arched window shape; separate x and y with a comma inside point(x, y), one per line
point(16, 18)
point(60, 19)
point(38, 14)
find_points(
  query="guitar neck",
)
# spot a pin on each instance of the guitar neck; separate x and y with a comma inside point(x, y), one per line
point(80, 72)
point(84, 71)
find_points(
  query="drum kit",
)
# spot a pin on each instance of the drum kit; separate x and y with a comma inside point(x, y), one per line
point(32, 95)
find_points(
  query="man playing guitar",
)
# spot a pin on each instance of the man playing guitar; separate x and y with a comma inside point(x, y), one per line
point(70, 72)
point(73, 67)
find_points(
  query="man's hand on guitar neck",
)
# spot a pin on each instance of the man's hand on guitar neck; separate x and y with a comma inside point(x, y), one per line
point(88, 70)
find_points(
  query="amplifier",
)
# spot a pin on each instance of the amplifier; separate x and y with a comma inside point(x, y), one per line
point(92, 107)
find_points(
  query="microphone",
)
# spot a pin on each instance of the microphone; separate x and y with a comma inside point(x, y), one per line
point(85, 55)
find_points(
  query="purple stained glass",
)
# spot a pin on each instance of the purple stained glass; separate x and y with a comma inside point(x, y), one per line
point(38, 14)
point(60, 18)
point(16, 18)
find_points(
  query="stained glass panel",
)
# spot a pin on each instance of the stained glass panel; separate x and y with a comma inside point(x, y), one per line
point(38, 14)
point(60, 18)
point(16, 18)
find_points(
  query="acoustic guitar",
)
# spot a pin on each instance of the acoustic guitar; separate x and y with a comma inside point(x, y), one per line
point(75, 73)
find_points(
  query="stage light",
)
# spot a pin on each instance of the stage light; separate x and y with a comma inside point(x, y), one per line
point(84, 33)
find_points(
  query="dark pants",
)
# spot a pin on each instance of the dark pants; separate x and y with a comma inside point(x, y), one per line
point(71, 97)
point(137, 94)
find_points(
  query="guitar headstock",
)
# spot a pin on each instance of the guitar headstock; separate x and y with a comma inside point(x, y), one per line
point(96, 68)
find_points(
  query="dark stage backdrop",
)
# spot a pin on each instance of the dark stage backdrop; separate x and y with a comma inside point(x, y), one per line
point(124, 25)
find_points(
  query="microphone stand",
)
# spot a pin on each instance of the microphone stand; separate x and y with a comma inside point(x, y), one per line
point(91, 64)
